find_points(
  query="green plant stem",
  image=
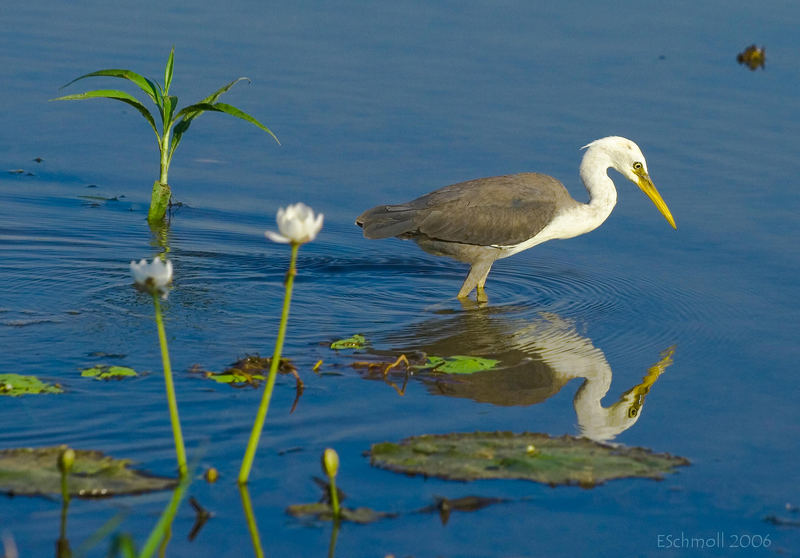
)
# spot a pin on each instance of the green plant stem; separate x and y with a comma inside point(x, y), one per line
point(252, 526)
point(258, 425)
point(62, 545)
point(162, 532)
point(180, 451)
point(334, 535)
point(334, 497)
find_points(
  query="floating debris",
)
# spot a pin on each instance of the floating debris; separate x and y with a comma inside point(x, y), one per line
point(566, 460)
point(753, 57)
point(250, 371)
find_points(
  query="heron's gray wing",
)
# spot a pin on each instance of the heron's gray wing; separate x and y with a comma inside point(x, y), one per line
point(501, 210)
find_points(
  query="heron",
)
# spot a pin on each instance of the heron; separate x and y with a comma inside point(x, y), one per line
point(486, 219)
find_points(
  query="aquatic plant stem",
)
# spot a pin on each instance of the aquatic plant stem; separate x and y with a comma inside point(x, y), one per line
point(252, 526)
point(180, 451)
point(261, 415)
point(334, 498)
point(162, 532)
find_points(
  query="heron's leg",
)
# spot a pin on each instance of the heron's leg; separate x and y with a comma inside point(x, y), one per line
point(479, 290)
point(476, 278)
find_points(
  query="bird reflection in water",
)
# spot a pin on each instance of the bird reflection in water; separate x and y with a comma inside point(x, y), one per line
point(537, 359)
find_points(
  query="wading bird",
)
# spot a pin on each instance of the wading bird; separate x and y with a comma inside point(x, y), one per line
point(483, 220)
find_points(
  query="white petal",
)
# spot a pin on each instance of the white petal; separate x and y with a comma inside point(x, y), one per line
point(275, 237)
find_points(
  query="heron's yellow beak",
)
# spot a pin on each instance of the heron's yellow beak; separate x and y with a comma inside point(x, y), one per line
point(646, 185)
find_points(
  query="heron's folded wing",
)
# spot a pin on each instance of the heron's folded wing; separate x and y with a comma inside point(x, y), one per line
point(501, 210)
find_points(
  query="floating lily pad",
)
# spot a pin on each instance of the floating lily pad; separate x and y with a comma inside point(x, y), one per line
point(323, 511)
point(17, 384)
point(33, 472)
point(458, 364)
point(357, 341)
point(566, 460)
point(105, 372)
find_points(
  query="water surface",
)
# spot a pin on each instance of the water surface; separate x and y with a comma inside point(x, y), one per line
point(381, 103)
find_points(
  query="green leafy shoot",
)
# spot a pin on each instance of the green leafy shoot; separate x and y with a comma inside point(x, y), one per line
point(173, 122)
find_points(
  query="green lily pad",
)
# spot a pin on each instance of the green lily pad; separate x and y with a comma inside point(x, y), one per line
point(17, 384)
point(566, 460)
point(323, 511)
point(235, 377)
point(357, 341)
point(458, 364)
point(105, 372)
point(33, 472)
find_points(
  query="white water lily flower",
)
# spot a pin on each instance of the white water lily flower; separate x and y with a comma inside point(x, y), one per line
point(297, 224)
point(154, 277)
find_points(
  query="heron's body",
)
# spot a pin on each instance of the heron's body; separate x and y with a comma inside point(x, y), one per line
point(483, 220)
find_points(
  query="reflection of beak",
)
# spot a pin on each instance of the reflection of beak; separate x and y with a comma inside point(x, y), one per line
point(646, 185)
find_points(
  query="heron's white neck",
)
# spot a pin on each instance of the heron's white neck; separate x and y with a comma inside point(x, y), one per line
point(602, 193)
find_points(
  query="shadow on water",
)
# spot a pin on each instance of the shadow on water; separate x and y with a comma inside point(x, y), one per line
point(537, 357)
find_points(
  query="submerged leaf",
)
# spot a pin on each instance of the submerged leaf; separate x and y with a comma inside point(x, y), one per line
point(445, 506)
point(106, 372)
point(323, 511)
point(34, 472)
point(357, 341)
point(528, 456)
point(18, 384)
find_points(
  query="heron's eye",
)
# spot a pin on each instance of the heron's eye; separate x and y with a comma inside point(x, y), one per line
point(637, 166)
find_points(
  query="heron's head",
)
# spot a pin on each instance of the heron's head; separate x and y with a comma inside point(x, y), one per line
point(625, 156)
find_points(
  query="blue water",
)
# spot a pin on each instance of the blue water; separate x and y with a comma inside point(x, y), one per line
point(377, 103)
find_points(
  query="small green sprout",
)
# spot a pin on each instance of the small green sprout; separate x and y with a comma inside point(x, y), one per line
point(174, 123)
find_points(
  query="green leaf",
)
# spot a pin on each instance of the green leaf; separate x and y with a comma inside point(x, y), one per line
point(357, 341)
point(235, 378)
point(528, 456)
point(16, 384)
point(459, 364)
point(224, 89)
point(150, 88)
point(33, 472)
point(233, 111)
point(189, 113)
point(170, 102)
point(105, 372)
point(116, 95)
point(168, 72)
